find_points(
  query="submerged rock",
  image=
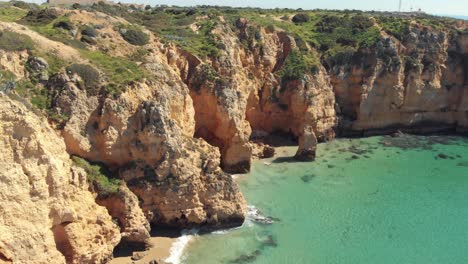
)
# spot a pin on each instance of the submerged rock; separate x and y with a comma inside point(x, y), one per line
point(307, 178)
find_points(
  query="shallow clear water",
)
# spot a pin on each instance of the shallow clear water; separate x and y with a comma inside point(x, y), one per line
point(374, 200)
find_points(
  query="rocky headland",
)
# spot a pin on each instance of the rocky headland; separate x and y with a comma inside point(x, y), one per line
point(117, 120)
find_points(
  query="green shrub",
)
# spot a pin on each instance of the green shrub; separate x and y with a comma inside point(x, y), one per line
point(89, 32)
point(397, 27)
point(7, 81)
point(135, 37)
point(37, 95)
point(294, 68)
point(41, 16)
point(12, 41)
point(118, 72)
point(11, 14)
point(67, 25)
point(301, 18)
point(88, 73)
point(89, 40)
point(361, 22)
point(21, 4)
point(99, 177)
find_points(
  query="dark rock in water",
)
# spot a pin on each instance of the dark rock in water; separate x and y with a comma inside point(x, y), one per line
point(331, 166)
point(397, 134)
point(442, 156)
point(307, 178)
point(276, 219)
point(354, 157)
point(264, 220)
point(367, 157)
point(247, 258)
point(257, 217)
point(458, 156)
point(463, 164)
point(356, 150)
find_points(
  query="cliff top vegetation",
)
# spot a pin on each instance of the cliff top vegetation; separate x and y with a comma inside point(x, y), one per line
point(323, 37)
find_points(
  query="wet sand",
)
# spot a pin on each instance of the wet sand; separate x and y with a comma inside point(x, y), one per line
point(160, 250)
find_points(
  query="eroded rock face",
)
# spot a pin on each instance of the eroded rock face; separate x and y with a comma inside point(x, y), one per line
point(48, 215)
point(146, 136)
point(171, 137)
point(238, 92)
point(124, 206)
point(417, 84)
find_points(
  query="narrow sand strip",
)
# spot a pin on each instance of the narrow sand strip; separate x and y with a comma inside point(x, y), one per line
point(159, 251)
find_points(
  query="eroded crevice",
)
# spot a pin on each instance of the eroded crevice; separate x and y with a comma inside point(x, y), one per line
point(3, 258)
point(62, 242)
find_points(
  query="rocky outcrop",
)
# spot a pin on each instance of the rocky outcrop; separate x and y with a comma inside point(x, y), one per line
point(238, 92)
point(146, 136)
point(48, 215)
point(124, 207)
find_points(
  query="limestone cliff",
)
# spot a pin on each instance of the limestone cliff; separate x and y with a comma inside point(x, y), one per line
point(418, 84)
point(145, 135)
point(48, 215)
point(169, 112)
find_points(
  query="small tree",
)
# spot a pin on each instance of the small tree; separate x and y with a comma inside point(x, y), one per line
point(135, 37)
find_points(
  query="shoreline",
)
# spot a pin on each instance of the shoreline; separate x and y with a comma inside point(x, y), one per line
point(160, 249)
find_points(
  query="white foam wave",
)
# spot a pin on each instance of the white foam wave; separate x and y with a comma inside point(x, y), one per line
point(177, 248)
point(255, 215)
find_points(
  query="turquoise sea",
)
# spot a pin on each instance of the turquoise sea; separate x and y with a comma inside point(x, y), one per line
point(373, 200)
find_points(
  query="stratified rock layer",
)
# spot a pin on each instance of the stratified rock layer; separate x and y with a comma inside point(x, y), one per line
point(418, 84)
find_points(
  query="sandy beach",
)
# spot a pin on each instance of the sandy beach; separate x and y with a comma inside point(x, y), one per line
point(159, 251)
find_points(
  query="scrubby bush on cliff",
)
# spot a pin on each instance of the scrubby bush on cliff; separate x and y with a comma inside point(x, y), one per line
point(301, 18)
point(88, 74)
point(294, 68)
point(12, 41)
point(398, 27)
point(41, 16)
point(9, 13)
point(360, 22)
point(7, 81)
point(98, 176)
point(89, 32)
point(67, 25)
point(21, 4)
point(135, 37)
point(117, 72)
point(89, 40)
point(206, 74)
